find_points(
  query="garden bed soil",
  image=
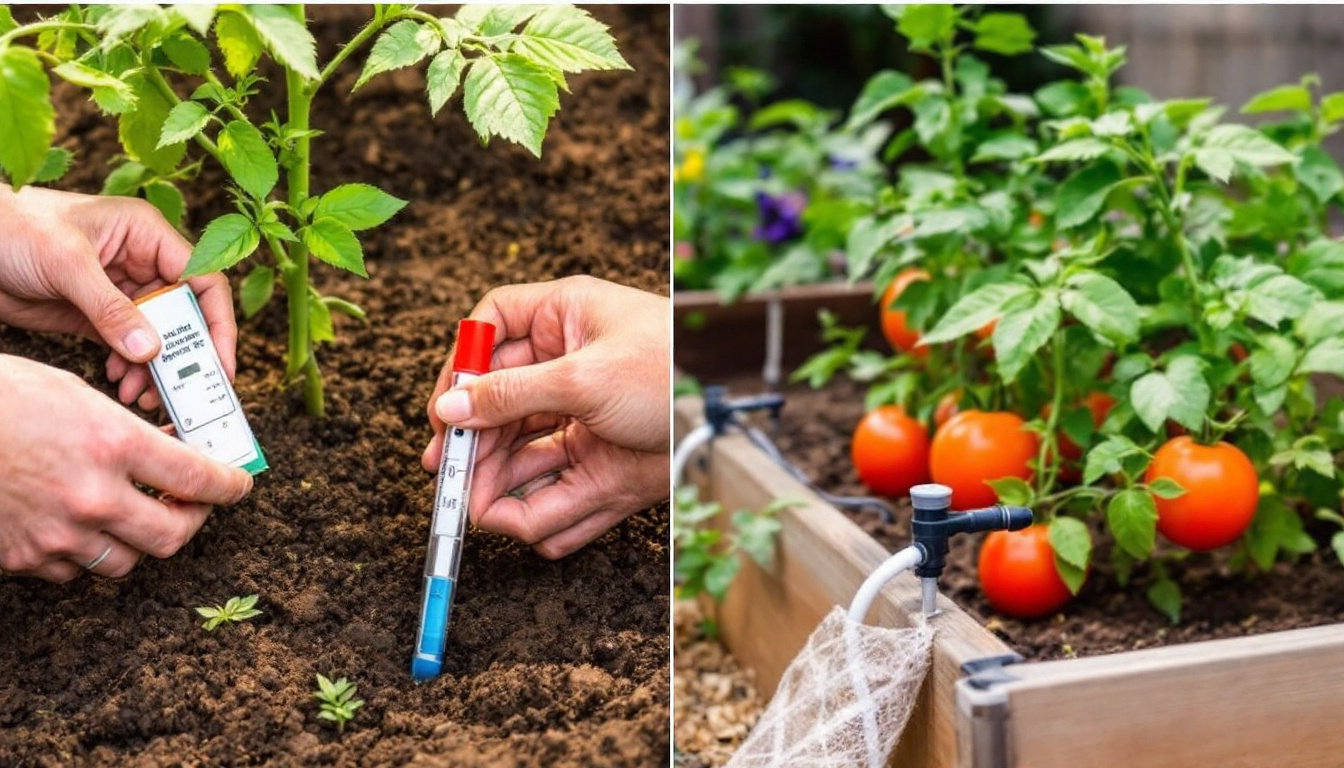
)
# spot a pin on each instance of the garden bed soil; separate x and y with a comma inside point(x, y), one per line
point(1104, 618)
point(549, 663)
point(714, 698)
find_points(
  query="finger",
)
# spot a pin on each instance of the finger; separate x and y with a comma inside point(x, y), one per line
point(538, 425)
point(113, 315)
point(186, 474)
point(118, 562)
point(513, 394)
point(56, 571)
point(117, 367)
point(148, 400)
point(579, 535)
point(215, 298)
point(540, 457)
point(133, 384)
point(156, 526)
point(536, 517)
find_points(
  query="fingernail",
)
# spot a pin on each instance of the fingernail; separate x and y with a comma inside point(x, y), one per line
point(454, 406)
point(139, 343)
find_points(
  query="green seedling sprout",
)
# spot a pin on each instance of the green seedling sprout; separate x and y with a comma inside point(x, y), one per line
point(338, 700)
point(234, 610)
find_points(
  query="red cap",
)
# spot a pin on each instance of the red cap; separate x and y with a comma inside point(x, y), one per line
point(475, 346)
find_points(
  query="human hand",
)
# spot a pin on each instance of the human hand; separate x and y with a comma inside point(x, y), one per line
point(574, 416)
point(71, 459)
point(71, 263)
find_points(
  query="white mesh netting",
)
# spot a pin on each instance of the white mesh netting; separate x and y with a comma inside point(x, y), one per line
point(844, 700)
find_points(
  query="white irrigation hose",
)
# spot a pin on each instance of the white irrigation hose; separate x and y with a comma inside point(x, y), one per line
point(904, 560)
point(774, 341)
point(688, 446)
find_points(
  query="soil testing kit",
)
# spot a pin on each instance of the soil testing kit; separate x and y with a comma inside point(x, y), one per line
point(475, 346)
point(198, 396)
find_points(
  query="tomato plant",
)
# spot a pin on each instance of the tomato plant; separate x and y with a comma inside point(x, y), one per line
point(1222, 491)
point(153, 69)
point(975, 448)
point(894, 325)
point(1018, 575)
point(890, 451)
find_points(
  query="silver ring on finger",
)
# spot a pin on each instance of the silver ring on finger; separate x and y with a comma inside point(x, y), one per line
point(95, 562)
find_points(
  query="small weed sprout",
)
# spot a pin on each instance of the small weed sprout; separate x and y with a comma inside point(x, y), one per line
point(338, 701)
point(234, 610)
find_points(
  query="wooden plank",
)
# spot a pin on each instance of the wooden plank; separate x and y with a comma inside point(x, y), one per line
point(821, 559)
point(1272, 699)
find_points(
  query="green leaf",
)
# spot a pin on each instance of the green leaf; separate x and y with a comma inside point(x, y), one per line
point(184, 121)
point(1279, 298)
point(1217, 163)
point(1021, 332)
point(248, 158)
point(1166, 488)
point(1320, 174)
point(1131, 516)
point(1108, 456)
point(122, 20)
point(1322, 321)
point(973, 311)
point(334, 243)
point(867, 237)
point(1165, 596)
point(320, 327)
point(401, 45)
point(358, 206)
point(1013, 491)
point(141, 128)
point(1332, 107)
point(56, 165)
point(286, 37)
point(1320, 264)
point(27, 120)
point(225, 242)
point(924, 25)
point(198, 17)
point(492, 20)
point(257, 289)
point(1272, 362)
point(1247, 145)
point(570, 40)
point(1072, 543)
point(512, 97)
point(756, 535)
point(1075, 149)
point(165, 196)
point(1103, 305)
point(445, 72)
point(1325, 357)
point(125, 180)
point(187, 54)
point(720, 576)
point(1180, 393)
point(1082, 195)
point(1005, 145)
point(1285, 97)
point(1337, 544)
point(85, 76)
point(883, 91)
point(347, 308)
point(238, 42)
point(1005, 33)
point(7, 22)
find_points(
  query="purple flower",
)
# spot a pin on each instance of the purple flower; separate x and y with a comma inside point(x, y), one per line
point(780, 217)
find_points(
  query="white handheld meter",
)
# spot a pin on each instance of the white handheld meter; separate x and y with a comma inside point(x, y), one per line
point(475, 347)
point(190, 378)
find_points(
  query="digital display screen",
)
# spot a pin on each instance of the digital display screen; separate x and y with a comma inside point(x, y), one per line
point(188, 371)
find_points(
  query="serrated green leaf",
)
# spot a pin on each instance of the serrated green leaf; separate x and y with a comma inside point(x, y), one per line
point(1320, 174)
point(187, 54)
point(248, 158)
point(88, 77)
point(1272, 362)
point(225, 242)
point(1285, 97)
point(719, 577)
point(1320, 264)
point(1005, 145)
point(973, 311)
point(924, 25)
point(125, 180)
point(27, 119)
point(1072, 543)
point(1107, 457)
point(286, 37)
point(443, 77)
point(334, 243)
point(166, 197)
point(400, 45)
point(1247, 145)
point(510, 96)
point(1326, 356)
point(358, 206)
point(1003, 33)
point(883, 91)
point(256, 290)
point(1217, 163)
point(492, 20)
point(141, 127)
point(570, 40)
point(1131, 517)
point(122, 20)
point(1166, 488)
point(238, 42)
point(56, 165)
point(1103, 305)
point(1180, 393)
point(184, 121)
point(1013, 491)
point(1021, 332)
point(1165, 596)
point(198, 17)
point(1081, 196)
point(1279, 298)
point(1074, 150)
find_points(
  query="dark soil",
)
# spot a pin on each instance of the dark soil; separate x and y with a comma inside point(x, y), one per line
point(1103, 618)
point(550, 663)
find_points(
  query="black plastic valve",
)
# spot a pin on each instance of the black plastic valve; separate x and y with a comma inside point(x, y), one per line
point(720, 410)
point(934, 523)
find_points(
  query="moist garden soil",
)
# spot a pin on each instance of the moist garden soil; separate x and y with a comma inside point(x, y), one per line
point(815, 432)
point(549, 663)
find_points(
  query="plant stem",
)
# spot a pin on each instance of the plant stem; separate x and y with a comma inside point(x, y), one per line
point(302, 358)
point(161, 84)
point(948, 55)
point(1046, 470)
point(355, 43)
point(38, 28)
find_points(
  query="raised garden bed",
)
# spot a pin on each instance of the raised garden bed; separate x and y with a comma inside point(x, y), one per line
point(555, 663)
point(1167, 707)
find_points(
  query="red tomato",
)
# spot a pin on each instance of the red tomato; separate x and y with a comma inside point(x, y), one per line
point(1221, 493)
point(900, 336)
point(975, 446)
point(890, 451)
point(987, 330)
point(948, 406)
point(1018, 575)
